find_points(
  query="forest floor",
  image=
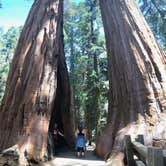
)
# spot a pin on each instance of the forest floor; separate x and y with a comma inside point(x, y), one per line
point(63, 158)
point(69, 158)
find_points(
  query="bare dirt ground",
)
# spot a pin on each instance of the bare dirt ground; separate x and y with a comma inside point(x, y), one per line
point(65, 158)
point(69, 158)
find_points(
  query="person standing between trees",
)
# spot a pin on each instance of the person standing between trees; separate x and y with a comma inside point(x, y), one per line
point(56, 133)
point(80, 143)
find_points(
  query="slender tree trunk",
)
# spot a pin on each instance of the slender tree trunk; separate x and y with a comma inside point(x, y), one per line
point(72, 75)
point(95, 68)
point(137, 70)
point(96, 95)
point(73, 109)
point(32, 82)
point(92, 103)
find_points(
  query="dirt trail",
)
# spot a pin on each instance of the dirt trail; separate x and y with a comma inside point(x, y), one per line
point(70, 159)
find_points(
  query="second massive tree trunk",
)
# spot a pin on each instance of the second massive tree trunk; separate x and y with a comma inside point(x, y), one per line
point(30, 95)
point(137, 75)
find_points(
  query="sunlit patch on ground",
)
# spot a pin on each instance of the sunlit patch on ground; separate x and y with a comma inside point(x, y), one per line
point(60, 161)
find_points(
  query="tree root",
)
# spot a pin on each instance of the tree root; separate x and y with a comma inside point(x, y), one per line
point(116, 159)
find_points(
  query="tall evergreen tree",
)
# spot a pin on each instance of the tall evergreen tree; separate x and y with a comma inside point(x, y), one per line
point(84, 46)
point(155, 13)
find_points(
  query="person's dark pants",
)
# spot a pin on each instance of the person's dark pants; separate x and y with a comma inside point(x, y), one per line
point(80, 151)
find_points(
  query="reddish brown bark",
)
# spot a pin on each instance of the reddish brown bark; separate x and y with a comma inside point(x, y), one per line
point(136, 64)
point(32, 82)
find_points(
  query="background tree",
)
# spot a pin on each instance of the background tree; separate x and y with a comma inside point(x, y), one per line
point(87, 61)
point(92, 111)
point(155, 14)
point(8, 41)
point(3, 75)
point(137, 83)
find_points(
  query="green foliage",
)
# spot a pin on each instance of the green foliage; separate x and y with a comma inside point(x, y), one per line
point(1, 37)
point(87, 62)
point(4, 69)
point(8, 42)
point(11, 37)
point(155, 14)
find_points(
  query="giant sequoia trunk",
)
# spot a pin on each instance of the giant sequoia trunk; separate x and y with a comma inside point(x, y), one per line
point(38, 69)
point(137, 75)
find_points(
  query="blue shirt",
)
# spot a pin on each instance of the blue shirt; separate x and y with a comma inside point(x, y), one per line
point(80, 141)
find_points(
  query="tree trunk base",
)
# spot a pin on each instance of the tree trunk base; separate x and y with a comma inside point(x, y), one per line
point(14, 157)
point(9, 156)
point(116, 159)
point(8, 160)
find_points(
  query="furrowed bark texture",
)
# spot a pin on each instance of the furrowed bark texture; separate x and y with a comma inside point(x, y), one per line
point(137, 75)
point(32, 82)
